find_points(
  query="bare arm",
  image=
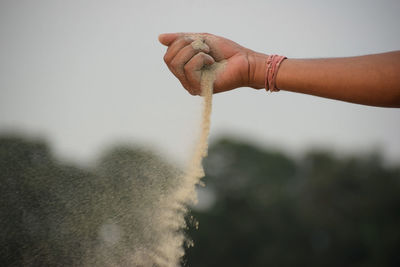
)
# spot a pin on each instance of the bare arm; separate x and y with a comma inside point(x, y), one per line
point(369, 80)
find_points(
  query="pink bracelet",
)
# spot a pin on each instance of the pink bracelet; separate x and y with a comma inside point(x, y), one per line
point(273, 62)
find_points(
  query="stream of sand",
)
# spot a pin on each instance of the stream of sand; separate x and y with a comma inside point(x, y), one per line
point(169, 250)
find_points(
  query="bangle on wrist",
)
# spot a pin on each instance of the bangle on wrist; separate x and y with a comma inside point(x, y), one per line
point(273, 62)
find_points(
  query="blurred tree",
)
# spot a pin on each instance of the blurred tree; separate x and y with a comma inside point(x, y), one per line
point(52, 214)
point(41, 202)
point(134, 181)
point(271, 210)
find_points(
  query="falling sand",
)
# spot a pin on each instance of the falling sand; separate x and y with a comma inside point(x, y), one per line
point(129, 210)
point(169, 248)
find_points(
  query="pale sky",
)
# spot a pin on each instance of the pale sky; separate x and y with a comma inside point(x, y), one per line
point(86, 74)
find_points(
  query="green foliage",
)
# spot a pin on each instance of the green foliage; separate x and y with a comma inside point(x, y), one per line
point(271, 210)
point(52, 214)
point(39, 209)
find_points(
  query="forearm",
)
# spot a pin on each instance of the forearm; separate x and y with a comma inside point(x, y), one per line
point(370, 80)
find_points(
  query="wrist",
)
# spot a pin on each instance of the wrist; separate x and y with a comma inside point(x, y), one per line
point(257, 70)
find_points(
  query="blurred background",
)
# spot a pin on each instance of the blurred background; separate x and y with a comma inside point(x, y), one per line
point(291, 179)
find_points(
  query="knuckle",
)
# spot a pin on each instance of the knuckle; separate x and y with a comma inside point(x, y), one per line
point(196, 90)
point(187, 68)
point(191, 90)
point(166, 59)
point(174, 64)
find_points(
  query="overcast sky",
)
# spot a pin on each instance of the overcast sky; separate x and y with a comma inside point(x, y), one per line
point(85, 74)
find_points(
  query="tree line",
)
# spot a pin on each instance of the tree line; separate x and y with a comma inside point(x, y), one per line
point(267, 208)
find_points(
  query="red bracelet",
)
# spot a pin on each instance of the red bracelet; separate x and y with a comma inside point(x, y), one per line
point(273, 62)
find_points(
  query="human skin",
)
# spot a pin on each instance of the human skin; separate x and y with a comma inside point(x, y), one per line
point(370, 80)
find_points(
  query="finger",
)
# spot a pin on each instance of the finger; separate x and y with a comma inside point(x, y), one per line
point(168, 38)
point(174, 49)
point(193, 68)
point(184, 55)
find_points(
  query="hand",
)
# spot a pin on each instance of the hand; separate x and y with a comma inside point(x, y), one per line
point(186, 62)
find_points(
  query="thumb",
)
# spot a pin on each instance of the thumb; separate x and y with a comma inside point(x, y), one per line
point(168, 38)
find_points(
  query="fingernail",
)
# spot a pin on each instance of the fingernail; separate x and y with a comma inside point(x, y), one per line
point(209, 60)
point(206, 48)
